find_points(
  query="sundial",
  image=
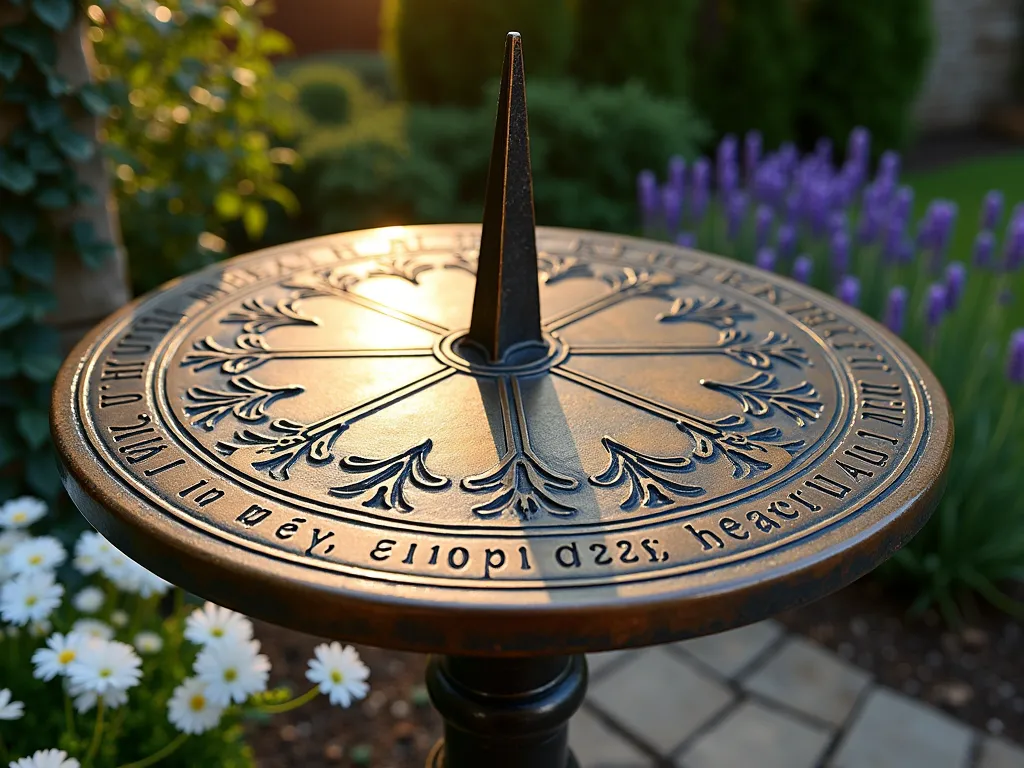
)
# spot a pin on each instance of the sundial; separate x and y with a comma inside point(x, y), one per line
point(508, 445)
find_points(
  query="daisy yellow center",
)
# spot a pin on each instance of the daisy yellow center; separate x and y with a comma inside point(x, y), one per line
point(230, 675)
point(66, 656)
point(31, 600)
point(35, 559)
point(336, 676)
point(19, 517)
point(197, 703)
point(217, 632)
point(106, 672)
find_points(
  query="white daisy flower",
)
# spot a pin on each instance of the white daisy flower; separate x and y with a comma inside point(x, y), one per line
point(29, 597)
point(10, 710)
point(119, 619)
point(89, 600)
point(21, 512)
point(129, 576)
point(190, 710)
point(8, 539)
point(339, 672)
point(148, 643)
point(91, 552)
point(86, 700)
point(56, 657)
point(39, 629)
point(42, 553)
point(47, 758)
point(232, 671)
point(93, 629)
point(103, 666)
point(212, 623)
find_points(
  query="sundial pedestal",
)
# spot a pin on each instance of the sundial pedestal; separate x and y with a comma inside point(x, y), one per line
point(506, 445)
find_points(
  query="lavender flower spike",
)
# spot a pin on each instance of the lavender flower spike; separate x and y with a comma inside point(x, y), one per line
point(765, 259)
point(802, 269)
point(647, 197)
point(896, 309)
point(763, 225)
point(786, 240)
point(672, 207)
point(752, 147)
point(1015, 244)
point(1015, 361)
point(686, 239)
point(859, 146)
point(935, 309)
point(943, 216)
point(992, 209)
point(840, 253)
point(677, 173)
point(984, 249)
point(849, 290)
point(956, 277)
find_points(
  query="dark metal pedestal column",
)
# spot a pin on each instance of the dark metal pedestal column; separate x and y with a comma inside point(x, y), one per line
point(505, 713)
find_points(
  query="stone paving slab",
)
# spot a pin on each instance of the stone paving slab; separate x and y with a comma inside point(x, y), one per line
point(752, 734)
point(893, 731)
point(1000, 753)
point(728, 653)
point(595, 746)
point(659, 697)
point(597, 663)
point(807, 677)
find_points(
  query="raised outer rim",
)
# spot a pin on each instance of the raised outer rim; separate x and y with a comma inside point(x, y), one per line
point(599, 618)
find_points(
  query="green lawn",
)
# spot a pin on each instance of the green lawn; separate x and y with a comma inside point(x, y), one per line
point(966, 184)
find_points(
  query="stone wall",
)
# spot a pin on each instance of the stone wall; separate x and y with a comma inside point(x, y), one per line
point(976, 42)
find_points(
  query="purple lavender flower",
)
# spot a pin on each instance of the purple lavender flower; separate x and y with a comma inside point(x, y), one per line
point(752, 148)
point(956, 278)
point(728, 149)
point(992, 209)
point(840, 249)
point(735, 210)
point(984, 249)
point(786, 240)
point(803, 266)
point(763, 225)
point(765, 259)
point(895, 237)
point(935, 308)
point(904, 203)
point(672, 207)
point(848, 290)
point(647, 197)
point(677, 173)
point(889, 166)
point(823, 152)
point(859, 146)
point(896, 309)
point(686, 239)
point(1015, 244)
point(942, 216)
point(701, 180)
point(1015, 358)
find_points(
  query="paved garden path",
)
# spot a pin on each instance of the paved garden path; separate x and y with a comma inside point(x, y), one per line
point(763, 698)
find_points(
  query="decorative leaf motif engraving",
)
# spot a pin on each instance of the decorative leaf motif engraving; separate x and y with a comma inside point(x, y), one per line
point(252, 351)
point(777, 346)
point(761, 394)
point(258, 316)
point(297, 442)
point(407, 266)
point(716, 311)
point(646, 477)
point(749, 453)
point(521, 483)
point(389, 478)
point(554, 267)
point(246, 398)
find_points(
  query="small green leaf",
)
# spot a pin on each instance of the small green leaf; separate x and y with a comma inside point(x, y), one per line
point(35, 263)
point(92, 99)
point(34, 426)
point(54, 13)
point(10, 63)
point(228, 204)
point(255, 220)
point(19, 225)
point(39, 301)
point(15, 176)
point(41, 367)
point(33, 40)
point(42, 158)
point(74, 145)
point(45, 115)
point(53, 198)
point(57, 85)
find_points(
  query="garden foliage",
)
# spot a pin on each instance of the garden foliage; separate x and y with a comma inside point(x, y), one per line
point(854, 233)
point(445, 51)
point(191, 135)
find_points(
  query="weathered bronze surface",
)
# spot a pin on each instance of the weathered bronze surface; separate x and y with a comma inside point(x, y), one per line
point(313, 435)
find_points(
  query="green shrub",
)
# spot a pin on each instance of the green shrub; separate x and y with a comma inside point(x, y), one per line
point(330, 95)
point(445, 51)
point(647, 41)
point(197, 103)
point(748, 68)
point(868, 59)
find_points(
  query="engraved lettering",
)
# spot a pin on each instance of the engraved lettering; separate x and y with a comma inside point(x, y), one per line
point(144, 420)
point(730, 526)
point(126, 398)
point(652, 553)
point(115, 370)
point(762, 521)
point(142, 450)
point(524, 559)
point(868, 455)
point(164, 467)
point(780, 508)
point(434, 552)
point(876, 436)
point(602, 554)
point(458, 558)
point(797, 496)
point(704, 536)
point(852, 471)
point(208, 497)
point(627, 555)
point(382, 551)
point(573, 553)
point(873, 363)
point(286, 530)
point(253, 516)
point(828, 486)
point(412, 552)
point(885, 418)
point(881, 390)
point(318, 539)
point(185, 493)
point(494, 559)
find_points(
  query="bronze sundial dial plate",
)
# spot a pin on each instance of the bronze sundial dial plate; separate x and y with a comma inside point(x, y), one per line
point(303, 434)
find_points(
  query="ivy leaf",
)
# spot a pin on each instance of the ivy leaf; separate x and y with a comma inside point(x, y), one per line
point(54, 13)
point(54, 198)
point(15, 176)
point(32, 40)
point(74, 145)
point(228, 204)
point(34, 426)
point(41, 473)
point(96, 254)
point(45, 115)
point(57, 85)
point(35, 263)
point(42, 159)
point(255, 220)
point(18, 224)
point(40, 367)
point(93, 100)
point(12, 310)
point(10, 63)
point(39, 302)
